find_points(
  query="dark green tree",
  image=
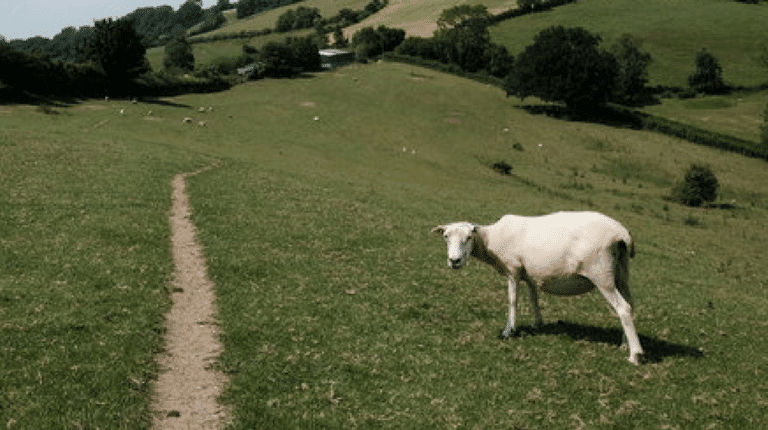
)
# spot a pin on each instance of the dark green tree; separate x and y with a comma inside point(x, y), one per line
point(246, 8)
point(370, 43)
point(178, 54)
point(566, 65)
point(117, 49)
point(465, 44)
point(708, 76)
point(633, 69)
point(190, 13)
point(456, 15)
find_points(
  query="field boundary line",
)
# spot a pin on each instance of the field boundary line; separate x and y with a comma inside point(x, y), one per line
point(185, 394)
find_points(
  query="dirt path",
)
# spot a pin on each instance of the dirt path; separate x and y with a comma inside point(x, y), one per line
point(187, 388)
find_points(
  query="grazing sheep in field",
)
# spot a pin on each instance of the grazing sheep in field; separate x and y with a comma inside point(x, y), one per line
point(187, 120)
point(202, 124)
point(564, 254)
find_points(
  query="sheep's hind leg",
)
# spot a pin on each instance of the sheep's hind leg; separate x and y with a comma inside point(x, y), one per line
point(533, 296)
point(624, 310)
point(512, 292)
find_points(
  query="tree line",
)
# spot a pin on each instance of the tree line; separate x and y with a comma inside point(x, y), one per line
point(154, 25)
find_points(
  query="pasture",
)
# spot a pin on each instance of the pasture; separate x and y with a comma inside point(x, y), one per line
point(673, 31)
point(337, 310)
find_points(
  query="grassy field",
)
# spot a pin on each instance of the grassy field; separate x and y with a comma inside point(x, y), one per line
point(84, 265)
point(673, 32)
point(739, 115)
point(336, 306)
point(419, 18)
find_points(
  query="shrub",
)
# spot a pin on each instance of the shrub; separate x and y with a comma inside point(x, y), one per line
point(502, 167)
point(699, 186)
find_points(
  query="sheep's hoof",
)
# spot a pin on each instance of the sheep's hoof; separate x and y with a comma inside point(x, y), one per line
point(508, 334)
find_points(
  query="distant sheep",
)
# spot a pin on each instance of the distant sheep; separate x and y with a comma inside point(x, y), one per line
point(187, 120)
point(564, 253)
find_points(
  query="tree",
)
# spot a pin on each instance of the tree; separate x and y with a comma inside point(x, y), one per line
point(371, 43)
point(564, 64)
point(190, 13)
point(222, 5)
point(246, 8)
point(465, 44)
point(117, 49)
point(458, 14)
point(178, 54)
point(339, 41)
point(708, 76)
point(289, 58)
point(633, 69)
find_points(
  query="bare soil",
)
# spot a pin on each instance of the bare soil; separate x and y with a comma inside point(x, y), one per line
point(188, 385)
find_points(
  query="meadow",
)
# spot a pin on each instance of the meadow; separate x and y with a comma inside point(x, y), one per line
point(672, 32)
point(337, 308)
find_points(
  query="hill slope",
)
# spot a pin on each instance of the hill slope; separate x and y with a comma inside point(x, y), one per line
point(336, 307)
point(419, 17)
point(673, 32)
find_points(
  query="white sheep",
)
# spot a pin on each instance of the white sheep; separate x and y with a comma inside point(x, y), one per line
point(202, 124)
point(564, 253)
point(187, 120)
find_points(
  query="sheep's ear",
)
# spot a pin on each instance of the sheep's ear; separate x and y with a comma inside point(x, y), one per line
point(438, 231)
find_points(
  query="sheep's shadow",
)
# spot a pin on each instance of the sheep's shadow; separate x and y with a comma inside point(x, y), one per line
point(655, 350)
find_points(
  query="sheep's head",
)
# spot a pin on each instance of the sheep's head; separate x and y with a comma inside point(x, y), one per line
point(458, 237)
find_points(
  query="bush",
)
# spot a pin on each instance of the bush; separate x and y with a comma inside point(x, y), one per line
point(698, 187)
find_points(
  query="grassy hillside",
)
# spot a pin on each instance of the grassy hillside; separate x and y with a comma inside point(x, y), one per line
point(673, 32)
point(337, 308)
point(739, 115)
point(269, 18)
point(418, 18)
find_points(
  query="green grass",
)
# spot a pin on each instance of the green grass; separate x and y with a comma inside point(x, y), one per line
point(268, 19)
point(336, 307)
point(420, 18)
point(84, 265)
point(739, 115)
point(672, 31)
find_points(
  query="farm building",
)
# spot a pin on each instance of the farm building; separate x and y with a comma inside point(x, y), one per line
point(332, 58)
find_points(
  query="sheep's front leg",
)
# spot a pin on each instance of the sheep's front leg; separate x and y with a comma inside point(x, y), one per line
point(512, 291)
